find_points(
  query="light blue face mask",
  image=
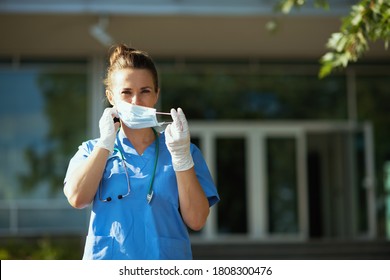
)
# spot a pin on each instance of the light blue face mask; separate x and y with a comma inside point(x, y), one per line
point(135, 116)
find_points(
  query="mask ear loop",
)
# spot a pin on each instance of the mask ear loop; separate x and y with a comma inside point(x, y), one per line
point(166, 114)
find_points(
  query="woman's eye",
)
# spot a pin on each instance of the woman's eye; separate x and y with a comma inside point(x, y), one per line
point(126, 92)
point(145, 91)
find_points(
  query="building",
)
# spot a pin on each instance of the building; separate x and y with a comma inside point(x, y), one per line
point(296, 159)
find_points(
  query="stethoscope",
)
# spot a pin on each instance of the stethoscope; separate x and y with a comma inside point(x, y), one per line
point(149, 196)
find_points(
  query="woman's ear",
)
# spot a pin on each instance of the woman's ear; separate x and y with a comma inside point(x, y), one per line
point(110, 97)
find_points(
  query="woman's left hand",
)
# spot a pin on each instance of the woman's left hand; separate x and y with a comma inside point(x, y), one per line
point(177, 139)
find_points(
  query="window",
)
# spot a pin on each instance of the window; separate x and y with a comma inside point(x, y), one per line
point(43, 118)
point(264, 92)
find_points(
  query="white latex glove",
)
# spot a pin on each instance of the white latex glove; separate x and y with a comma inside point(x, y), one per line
point(177, 139)
point(108, 129)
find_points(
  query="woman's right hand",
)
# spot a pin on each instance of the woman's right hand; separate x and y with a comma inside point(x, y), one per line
point(83, 182)
point(108, 129)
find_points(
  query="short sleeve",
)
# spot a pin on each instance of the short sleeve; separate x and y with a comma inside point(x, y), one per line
point(81, 155)
point(203, 174)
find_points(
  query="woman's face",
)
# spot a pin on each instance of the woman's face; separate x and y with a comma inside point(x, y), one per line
point(134, 86)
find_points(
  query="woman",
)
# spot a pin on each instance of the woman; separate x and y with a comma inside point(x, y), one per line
point(146, 188)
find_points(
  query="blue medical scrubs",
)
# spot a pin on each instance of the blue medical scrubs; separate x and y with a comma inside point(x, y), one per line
point(130, 228)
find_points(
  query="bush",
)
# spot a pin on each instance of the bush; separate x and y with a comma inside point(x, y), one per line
point(41, 248)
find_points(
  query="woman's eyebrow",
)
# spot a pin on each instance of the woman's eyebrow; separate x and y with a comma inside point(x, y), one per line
point(141, 88)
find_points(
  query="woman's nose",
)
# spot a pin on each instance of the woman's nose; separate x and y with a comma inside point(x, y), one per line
point(135, 99)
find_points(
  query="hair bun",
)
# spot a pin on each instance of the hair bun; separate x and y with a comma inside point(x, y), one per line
point(124, 57)
point(119, 51)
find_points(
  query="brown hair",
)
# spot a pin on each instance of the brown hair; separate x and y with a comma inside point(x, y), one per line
point(123, 57)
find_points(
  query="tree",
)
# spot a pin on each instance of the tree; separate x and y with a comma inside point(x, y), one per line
point(368, 21)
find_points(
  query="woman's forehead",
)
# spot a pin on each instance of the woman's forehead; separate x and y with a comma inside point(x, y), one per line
point(133, 77)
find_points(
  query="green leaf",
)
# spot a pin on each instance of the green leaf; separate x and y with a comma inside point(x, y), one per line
point(356, 19)
point(325, 70)
point(324, 4)
point(334, 39)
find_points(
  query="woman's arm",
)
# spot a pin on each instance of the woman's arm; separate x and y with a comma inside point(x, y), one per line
point(83, 183)
point(194, 205)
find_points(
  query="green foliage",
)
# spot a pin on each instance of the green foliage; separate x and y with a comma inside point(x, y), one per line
point(4, 254)
point(286, 5)
point(42, 248)
point(367, 22)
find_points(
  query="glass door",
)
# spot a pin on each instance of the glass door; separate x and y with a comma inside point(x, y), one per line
point(277, 184)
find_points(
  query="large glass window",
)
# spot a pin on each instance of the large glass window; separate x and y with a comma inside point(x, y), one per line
point(373, 98)
point(43, 115)
point(373, 104)
point(242, 91)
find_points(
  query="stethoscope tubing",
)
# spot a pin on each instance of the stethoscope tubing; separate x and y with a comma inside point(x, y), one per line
point(150, 193)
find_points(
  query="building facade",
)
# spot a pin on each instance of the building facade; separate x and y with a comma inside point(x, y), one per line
point(295, 158)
